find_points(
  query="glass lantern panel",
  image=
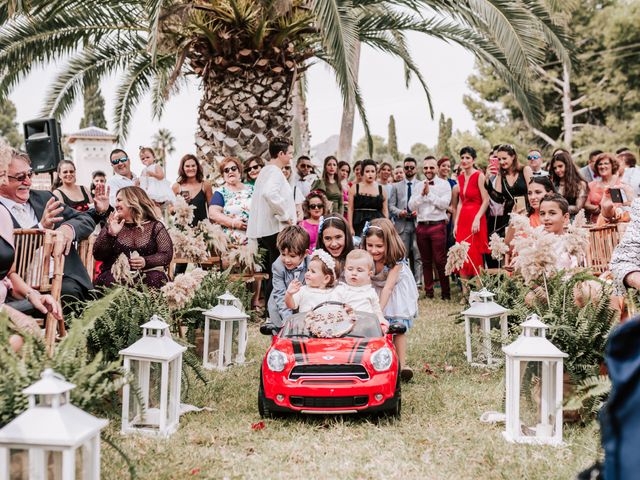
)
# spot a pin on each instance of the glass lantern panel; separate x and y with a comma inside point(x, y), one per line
point(18, 464)
point(486, 348)
point(537, 401)
point(148, 376)
point(53, 461)
point(173, 402)
point(214, 341)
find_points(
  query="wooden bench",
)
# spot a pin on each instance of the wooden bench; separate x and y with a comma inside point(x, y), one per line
point(211, 262)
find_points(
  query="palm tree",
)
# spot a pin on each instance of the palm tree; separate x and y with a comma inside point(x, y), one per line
point(164, 143)
point(247, 54)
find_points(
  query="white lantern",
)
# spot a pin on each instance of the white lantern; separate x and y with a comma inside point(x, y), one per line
point(224, 315)
point(52, 438)
point(479, 319)
point(156, 363)
point(534, 387)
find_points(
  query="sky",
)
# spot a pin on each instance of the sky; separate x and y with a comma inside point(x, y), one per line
point(445, 68)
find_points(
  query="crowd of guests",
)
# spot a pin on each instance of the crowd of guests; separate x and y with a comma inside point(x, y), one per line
point(406, 217)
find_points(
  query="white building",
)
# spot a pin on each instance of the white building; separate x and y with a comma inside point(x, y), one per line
point(91, 147)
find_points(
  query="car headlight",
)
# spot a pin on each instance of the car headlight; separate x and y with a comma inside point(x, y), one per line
point(382, 359)
point(276, 360)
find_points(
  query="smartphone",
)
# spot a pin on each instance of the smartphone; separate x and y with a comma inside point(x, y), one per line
point(520, 204)
point(616, 195)
point(494, 165)
point(185, 194)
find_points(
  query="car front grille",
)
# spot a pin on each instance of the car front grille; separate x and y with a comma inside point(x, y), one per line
point(321, 371)
point(329, 402)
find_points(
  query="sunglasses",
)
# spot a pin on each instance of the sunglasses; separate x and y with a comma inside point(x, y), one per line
point(533, 157)
point(232, 168)
point(316, 206)
point(409, 167)
point(21, 177)
point(253, 167)
point(116, 161)
point(304, 165)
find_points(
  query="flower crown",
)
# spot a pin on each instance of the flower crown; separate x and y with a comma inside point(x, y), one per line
point(325, 258)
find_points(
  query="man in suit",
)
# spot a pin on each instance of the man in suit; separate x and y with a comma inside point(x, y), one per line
point(40, 209)
point(404, 218)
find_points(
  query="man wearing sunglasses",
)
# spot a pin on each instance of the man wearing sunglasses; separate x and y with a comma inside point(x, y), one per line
point(303, 182)
point(272, 205)
point(535, 162)
point(40, 209)
point(404, 217)
point(122, 174)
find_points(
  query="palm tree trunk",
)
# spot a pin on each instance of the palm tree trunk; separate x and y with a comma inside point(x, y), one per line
point(301, 134)
point(239, 114)
point(345, 144)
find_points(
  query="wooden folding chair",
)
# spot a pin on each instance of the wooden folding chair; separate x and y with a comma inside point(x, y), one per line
point(42, 270)
point(602, 241)
point(85, 250)
point(212, 263)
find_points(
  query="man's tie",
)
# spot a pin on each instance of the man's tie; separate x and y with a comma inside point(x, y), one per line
point(22, 215)
point(408, 197)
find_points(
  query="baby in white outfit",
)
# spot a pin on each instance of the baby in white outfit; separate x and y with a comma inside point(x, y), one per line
point(320, 280)
point(358, 292)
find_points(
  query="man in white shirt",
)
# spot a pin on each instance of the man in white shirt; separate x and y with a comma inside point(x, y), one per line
point(122, 175)
point(430, 200)
point(303, 182)
point(272, 204)
point(535, 162)
point(631, 175)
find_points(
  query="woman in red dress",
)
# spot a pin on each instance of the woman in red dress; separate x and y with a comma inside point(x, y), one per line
point(470, 222)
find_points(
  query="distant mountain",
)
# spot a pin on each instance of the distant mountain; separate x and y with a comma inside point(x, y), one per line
point(322, 150)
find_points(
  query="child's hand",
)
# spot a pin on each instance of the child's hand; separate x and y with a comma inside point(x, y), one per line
point(348, 309)
point(294, 287)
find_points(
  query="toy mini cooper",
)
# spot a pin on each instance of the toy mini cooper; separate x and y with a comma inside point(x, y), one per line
point(329, 361)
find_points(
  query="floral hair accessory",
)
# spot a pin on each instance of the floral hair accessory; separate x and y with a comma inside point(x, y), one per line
point(325, 258)
point(367, 227)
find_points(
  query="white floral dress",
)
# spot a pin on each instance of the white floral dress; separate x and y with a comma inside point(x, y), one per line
point(235, 205)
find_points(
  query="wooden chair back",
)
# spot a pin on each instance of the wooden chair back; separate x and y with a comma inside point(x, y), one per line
point(85, 250)
point(37, 265)
point(602, 241)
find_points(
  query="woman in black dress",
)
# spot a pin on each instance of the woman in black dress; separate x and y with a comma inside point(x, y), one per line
point(135, 231)
point(67, 191)
point(367, 199)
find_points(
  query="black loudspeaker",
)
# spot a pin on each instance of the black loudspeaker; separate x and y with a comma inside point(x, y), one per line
point(42, 140)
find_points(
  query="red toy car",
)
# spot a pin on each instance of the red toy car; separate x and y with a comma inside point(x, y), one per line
point(356, 372)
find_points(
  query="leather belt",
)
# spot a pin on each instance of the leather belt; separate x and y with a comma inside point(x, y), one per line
point(432, 222)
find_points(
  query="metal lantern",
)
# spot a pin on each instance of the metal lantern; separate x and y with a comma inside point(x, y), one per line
point(224, 315)
point(479, 319)
point(156, 363)
point(534, 379)
point(52, 438)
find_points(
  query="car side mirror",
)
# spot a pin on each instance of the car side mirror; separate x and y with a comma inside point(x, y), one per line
point(397, 329)
point(268, 329)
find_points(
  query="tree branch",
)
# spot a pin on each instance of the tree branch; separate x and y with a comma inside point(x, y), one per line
point(545, 137)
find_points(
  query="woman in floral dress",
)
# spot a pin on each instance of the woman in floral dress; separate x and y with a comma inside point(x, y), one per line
point(231, 203)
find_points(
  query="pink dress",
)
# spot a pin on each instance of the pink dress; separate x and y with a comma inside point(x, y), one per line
point(312, 229)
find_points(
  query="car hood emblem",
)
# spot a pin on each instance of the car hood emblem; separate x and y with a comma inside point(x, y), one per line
point(328, 357)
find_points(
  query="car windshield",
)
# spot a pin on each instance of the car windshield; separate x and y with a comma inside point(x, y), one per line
point(367, 326)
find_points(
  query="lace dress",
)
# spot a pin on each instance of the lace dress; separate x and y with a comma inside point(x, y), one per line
point(151, 241)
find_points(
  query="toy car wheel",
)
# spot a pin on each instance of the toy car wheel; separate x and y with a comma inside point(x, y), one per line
point(396, 411)
point(263, 407)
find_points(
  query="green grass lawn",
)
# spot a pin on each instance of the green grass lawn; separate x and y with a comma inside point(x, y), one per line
point(438, 437)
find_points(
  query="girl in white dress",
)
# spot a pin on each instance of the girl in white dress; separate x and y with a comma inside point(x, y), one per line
point(393, 281)
point(320, 286)
point(152, 179)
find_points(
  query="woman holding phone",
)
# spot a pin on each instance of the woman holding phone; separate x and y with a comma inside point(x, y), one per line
point(507, 185)
point(609, 184)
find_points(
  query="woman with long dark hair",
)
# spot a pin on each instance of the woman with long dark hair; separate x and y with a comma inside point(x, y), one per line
point(507, 185)
point(568, 181)
point(367, 199)
point(331, 185)
point(67, 191)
